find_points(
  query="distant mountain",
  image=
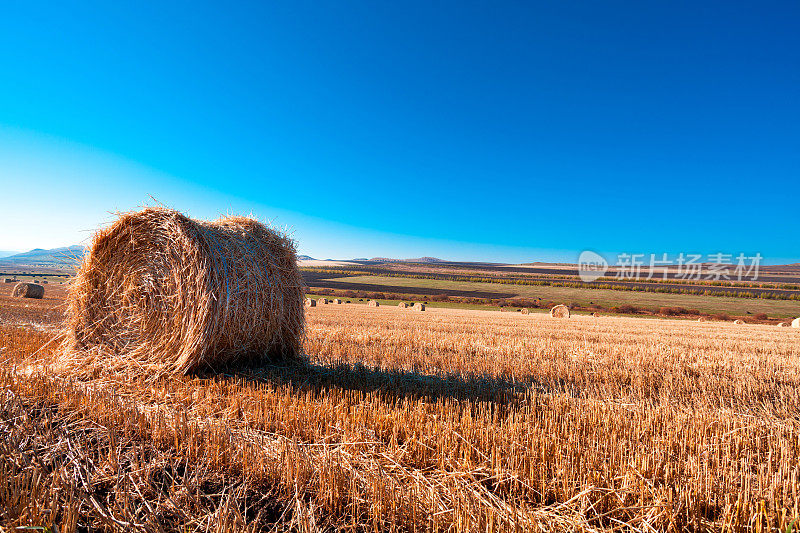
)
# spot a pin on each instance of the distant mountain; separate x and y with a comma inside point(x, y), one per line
point(53, 257)
point(305, 258)
point(6, 253)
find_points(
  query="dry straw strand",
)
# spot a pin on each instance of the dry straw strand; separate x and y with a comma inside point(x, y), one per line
point(160, 292)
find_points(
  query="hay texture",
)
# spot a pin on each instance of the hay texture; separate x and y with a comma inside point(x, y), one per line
point(311, 302)
point(28, 290)
point(560, 311)
point(419, 307)
point(159, 292)
point(796, 323)
point(373, 303)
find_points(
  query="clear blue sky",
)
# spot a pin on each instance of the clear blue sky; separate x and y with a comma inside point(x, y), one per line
point(487, 131)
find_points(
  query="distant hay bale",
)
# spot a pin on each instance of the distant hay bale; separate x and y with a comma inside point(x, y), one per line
point(373, 303)
point(323, 301)
point(337, 301)
point(701, 319)
point(311, 302)
point(783, 325)
point(525, 311)
point(9, 280)
point(44, 282)
point(595, 315)
point(739, 322)
point(796, 323)
point(560, 311)
point(159, 292)
point(402, 305)
point(419, 307)
point(28, 290)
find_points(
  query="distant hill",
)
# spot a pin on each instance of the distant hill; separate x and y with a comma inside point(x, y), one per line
point(305, 258)
point(6, 253)
point(53, 257)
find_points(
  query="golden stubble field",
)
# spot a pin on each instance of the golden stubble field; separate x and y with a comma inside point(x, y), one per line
point(440, 420)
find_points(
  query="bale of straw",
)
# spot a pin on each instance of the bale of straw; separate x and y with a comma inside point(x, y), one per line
point(783, 325)
point(739, 322)
point(525, 311)
point(159, 292)
point(44, 282)
point(311, 302)
point(701, 319)
point(323, 301)
point(402, 305)
point(28, 290)
point(595, 315)
point(337, 301)
point(373, 303)
point(8, 280)
point(796, 323)
point(419, 307)
point(560, 311)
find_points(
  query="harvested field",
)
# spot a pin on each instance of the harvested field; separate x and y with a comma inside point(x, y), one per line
point(448, 419)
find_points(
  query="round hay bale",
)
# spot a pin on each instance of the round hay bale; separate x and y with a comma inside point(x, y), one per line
point(159, 292)
point(337, 301)
point(525, 311)
point(28, 290)
point(701, 319)
point(783, 325)
point(44, 282)
point(560, 311)
point(322, 301)
point(311, 302)
point(402, 305)
point(738, 321)
point(796, 323)
point(419, 307)
point(8, 280)
point(373, 303)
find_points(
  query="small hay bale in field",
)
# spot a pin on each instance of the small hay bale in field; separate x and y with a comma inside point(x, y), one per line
point(525, 311)
point(402, 305)
point(44, 282)
point(337, 301)
point(738, 322)
point(373, 303)
point(783, 325)
point(8, 280)
point(159, 292)
point(560, 311)
point(322, 301)
point(796, 323)
point(419, 307)
point(701, 319)
point(595, 315)
point(311, 302)
point(28, 290)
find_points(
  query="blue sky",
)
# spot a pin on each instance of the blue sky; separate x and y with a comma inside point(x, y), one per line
point(487, 131)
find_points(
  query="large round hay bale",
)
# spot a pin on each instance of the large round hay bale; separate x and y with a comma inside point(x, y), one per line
point(560, 311)
point(738, 321)
point(525, 311)
point(311, 302)
point(28, 290)
point(419, 307)
point(796, 323)
point(160, 292)
point(373, 303)
point(402, 305)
